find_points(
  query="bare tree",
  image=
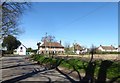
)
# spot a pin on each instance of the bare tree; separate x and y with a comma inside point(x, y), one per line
point(48, 38)
point(67, 47)
point(11, 12)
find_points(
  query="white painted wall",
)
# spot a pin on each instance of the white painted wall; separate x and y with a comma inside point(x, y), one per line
point(100, 48)
point(78, 52)
point(21, 50)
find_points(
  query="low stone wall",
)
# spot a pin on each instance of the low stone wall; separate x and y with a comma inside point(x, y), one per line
point(97, 56)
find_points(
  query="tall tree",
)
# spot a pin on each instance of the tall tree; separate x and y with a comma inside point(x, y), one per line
point(10, 14)
point(93, 50)
point(48, 38)
point(11, 43)
point(67, 47)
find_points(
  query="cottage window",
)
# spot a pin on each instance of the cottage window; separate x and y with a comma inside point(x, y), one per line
point(21, 48)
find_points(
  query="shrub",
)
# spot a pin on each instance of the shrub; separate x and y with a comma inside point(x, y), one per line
point(113, 70)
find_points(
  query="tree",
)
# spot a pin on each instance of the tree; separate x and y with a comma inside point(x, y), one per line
point(67, 47)
point(93, 50)
point(29, 49)
point(11, 43)
point(10, 14)
point(48, 38)
point(38, 44)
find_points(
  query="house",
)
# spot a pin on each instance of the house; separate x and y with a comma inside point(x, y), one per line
point(107, 48)
point(79, 49)
point(84, 50)
point(2, 49)
point(21, 50)
point(119, 48)
point(51, 48)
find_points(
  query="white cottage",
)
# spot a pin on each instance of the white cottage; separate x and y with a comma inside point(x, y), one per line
point(21, 50)
point(107, 48)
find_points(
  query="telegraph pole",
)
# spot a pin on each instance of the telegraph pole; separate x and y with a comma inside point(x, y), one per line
point(45, 40)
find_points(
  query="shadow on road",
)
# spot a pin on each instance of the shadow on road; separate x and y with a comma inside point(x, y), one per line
point(17, 79)
point(18, 65)
point(68, 77)
point(90, 73)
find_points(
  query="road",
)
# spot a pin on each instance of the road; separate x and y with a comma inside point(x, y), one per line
point(20, 69)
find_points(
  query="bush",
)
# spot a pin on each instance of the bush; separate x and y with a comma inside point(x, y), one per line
point(113, 71)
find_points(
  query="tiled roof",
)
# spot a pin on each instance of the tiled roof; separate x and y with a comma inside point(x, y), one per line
point(78, 47)
point(108, 47)
point(52, 44)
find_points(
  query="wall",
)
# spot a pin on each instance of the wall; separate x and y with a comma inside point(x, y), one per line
point(21, 51)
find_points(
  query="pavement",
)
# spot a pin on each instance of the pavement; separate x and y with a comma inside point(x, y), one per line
point(19, 69)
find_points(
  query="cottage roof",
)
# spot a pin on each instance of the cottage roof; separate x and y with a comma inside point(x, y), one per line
point(52, 44)
point(108, 47)
point(23, 46)
point(78, 47)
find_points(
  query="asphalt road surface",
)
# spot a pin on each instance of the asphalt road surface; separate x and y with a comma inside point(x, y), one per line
point(19, 69)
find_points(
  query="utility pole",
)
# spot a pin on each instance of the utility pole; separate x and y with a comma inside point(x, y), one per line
point(74, 45)
point(45, 41)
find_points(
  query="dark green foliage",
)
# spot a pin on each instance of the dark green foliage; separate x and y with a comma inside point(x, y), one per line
point(11, 43)
point(29, 49)
point(112, 68)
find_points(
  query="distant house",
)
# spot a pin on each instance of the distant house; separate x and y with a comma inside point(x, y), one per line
point(2, 49)
point(119, 48)
point(107, 48)
point(79, 49)
point(21, 50)
point(85, 50)
point(51, 48)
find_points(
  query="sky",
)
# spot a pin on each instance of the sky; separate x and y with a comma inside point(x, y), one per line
point(85, 23)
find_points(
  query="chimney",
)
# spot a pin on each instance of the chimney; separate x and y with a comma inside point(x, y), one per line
point(60, 42)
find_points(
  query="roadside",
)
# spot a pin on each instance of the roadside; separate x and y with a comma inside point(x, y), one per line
point(17, 69)
point(82, 68)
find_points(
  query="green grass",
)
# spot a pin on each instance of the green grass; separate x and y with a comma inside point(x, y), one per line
point(113, 71)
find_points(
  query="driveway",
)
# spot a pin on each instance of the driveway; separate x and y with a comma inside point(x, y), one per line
point(20, 69)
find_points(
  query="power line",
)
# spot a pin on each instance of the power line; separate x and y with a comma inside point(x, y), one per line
point(87, 14)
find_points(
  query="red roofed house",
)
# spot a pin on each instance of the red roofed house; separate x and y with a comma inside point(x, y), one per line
point(107, 48)
point(51, 47)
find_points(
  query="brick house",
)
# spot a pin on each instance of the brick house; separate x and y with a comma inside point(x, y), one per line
point(51, 48)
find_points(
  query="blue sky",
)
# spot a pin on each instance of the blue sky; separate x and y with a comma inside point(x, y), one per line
point(85, 23)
